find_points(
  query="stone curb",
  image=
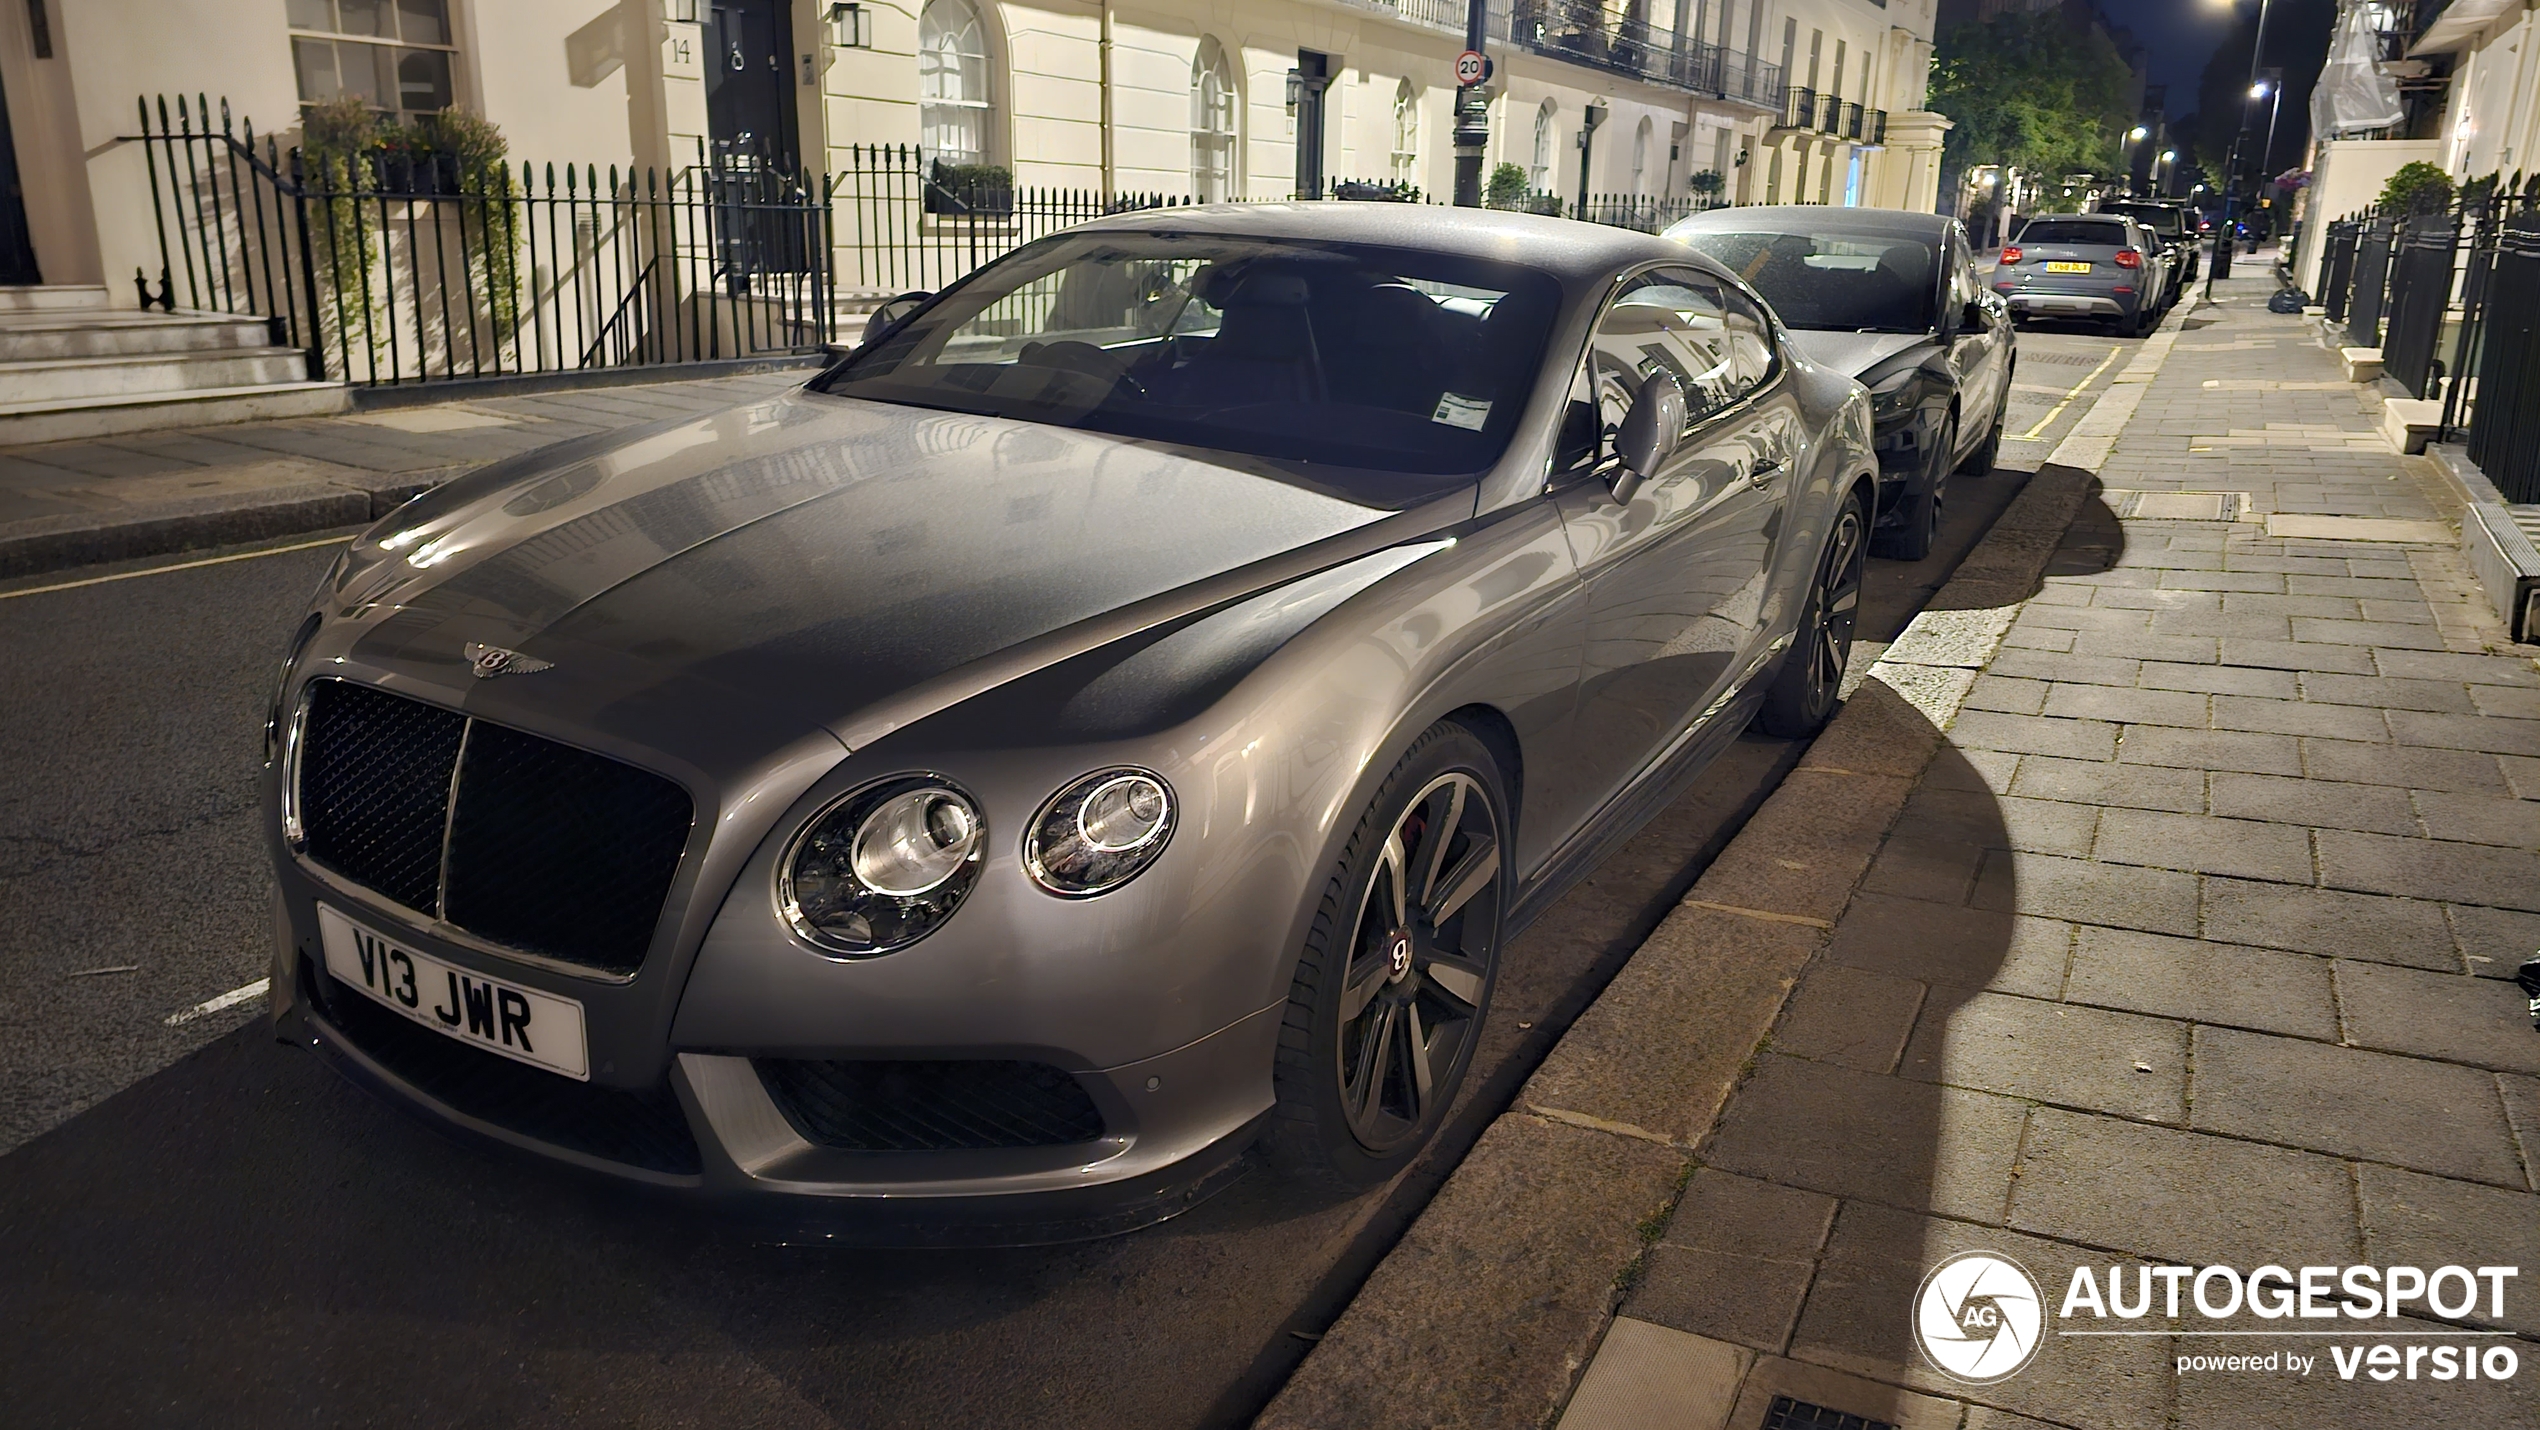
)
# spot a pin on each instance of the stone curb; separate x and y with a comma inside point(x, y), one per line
point(51, 543)
point(1498, 1294)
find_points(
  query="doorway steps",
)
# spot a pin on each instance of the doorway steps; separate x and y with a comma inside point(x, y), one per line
point(72, 367)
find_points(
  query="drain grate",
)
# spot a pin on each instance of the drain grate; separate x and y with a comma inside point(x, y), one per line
point(1788, 1414)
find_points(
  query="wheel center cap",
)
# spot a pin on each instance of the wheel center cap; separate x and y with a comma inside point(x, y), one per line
point(1398, 954)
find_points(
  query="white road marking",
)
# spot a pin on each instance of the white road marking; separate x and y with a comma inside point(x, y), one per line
point(231, 999)
point(178, 566)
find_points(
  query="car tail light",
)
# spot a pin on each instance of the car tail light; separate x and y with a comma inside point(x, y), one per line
point(2128, 258)
point(2010, 253)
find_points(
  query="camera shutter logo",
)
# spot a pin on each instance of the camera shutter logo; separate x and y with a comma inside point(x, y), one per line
point(1979, 1317)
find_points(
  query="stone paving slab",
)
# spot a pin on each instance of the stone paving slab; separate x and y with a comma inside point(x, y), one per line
point(144, 493)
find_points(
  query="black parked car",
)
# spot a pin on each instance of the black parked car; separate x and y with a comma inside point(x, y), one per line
point(2177, 226)
point(1893, 299)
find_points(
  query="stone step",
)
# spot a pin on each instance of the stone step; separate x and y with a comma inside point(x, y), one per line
point(91, 379)
point(27, 297)
point(26, 423)
point(36, 335)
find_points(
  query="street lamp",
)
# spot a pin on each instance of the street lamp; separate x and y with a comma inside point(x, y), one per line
point(2133, 136)
point(2231, 166)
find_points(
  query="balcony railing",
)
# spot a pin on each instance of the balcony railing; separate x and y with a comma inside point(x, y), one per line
point(1586, 32)
point(1817, 113)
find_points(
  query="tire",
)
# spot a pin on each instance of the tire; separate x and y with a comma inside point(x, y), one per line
point(1388, 999)
point(1809, 687)
point(1911, 539)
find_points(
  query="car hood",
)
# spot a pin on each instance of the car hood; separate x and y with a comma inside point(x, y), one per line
point(846, 563)
point(1853, 353)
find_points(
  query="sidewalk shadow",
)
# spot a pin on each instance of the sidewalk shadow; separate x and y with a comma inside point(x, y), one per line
point(1899, 1080)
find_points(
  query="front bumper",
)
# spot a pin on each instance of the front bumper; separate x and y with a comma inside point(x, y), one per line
point(1175, 1127)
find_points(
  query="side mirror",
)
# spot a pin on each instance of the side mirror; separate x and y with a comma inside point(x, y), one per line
point(1649, 433)
point(891, 314)
point(1971, 317)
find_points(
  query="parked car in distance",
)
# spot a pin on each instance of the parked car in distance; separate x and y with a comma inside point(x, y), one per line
point(2085, 266)
point(2175, 224)
point(1119, 714)
point(1893, 299)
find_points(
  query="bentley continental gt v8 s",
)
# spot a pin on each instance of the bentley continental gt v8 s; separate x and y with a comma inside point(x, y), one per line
point(1893, 299)
point(1114, 718)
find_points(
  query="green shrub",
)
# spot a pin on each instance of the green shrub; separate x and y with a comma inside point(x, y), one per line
point(1707, 183)
point(2418, 187)
point(1507, 188)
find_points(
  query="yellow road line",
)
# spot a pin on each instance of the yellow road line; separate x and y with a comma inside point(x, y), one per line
point(178, 566)
point(2075, 391)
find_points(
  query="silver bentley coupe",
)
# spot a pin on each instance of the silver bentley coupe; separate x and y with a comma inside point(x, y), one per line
point(1111, 721)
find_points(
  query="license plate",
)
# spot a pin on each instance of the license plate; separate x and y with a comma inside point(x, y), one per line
point(505, 1019)
point(2067, 267)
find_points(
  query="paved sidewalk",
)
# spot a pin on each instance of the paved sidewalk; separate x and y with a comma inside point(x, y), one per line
point(110, 498)
point(2152, 908)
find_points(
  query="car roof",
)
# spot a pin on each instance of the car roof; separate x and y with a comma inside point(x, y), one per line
point(1571, 251)
point(1817, 218)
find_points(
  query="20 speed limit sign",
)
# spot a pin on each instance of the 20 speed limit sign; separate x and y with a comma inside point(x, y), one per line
point(1468, 68)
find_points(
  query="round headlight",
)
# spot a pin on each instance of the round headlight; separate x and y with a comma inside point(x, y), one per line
point(883, 867)
point(1099, 833)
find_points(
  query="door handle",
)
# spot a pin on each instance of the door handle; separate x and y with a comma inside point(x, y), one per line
point(1764, 473)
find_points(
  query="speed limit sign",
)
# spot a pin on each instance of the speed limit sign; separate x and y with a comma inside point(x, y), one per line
point(1469, 68)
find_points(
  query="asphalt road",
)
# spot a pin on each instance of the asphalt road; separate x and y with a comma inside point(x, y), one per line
point(204, 1227)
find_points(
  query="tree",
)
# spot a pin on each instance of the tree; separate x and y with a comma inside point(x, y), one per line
point(2033, 91)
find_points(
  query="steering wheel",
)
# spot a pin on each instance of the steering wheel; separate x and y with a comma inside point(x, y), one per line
point(1069, 355)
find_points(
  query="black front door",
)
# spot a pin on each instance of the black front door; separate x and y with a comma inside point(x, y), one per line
point(17, 246)
point(750, 78)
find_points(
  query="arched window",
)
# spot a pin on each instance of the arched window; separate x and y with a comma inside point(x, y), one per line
point(1406, 133)
point(953, 97)
point(1640, 157)
point(1212, 124)
point(1539, 172)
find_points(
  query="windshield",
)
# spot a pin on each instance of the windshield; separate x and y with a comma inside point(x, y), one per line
point(2107, 233)
point(1380, 359)
point(1867, 283)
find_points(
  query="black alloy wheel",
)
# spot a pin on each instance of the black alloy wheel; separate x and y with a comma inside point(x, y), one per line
point(1809, 686)
point(1396, 977)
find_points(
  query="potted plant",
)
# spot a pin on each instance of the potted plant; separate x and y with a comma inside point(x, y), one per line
point(970, 189)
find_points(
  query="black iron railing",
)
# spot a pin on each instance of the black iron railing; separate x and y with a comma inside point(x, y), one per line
point(1593, 33)
point(2371, 288)
point(901, 225)
point(2337, 268)
point(391, 268)
point(2422, 268)
point(2496, 391)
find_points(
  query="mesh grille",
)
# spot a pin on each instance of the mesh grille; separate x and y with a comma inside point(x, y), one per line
point(375, 788)
point(552, 850)
point(931, 1106)
point(560, 852)
point(636, 1129)
point(1788, 1414)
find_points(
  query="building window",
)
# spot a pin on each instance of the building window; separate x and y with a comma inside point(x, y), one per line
point(1539, 173)
point(393, 55)
point(953, 99)
point(1212, 124)
point(1640, 157)
point(1406, 133)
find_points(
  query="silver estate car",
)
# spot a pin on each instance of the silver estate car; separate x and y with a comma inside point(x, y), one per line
point(1117, 716)
point(2085, 266)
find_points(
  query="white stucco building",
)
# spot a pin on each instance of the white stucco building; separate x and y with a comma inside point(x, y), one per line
point(1789, 100)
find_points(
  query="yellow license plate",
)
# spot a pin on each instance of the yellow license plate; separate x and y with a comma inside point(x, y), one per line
point(2067, 267)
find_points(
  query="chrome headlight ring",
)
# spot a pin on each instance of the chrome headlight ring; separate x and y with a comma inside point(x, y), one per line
point(882, 866)
point(1099, 832)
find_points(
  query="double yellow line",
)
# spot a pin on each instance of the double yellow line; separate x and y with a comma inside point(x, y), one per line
point(2044, 422)
point(178, 566)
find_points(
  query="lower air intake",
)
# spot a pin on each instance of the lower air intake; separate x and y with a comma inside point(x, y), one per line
point(930, 1106)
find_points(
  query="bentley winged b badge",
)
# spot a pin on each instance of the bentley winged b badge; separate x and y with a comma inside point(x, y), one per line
point(488, 661)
